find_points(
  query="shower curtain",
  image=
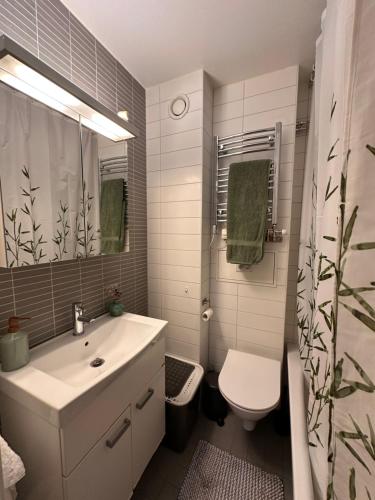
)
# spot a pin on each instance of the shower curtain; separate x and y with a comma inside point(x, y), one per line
point(336, 277)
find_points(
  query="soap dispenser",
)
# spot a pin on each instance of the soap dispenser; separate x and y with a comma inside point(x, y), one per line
point(14, 346)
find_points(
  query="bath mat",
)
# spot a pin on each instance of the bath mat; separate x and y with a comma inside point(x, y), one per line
point(217, 475)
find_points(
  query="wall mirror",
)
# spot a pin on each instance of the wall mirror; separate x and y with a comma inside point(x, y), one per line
point(105, 194)
point(63, 168)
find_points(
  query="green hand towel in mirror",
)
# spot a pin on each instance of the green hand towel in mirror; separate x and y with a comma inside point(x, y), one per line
point(112, 216)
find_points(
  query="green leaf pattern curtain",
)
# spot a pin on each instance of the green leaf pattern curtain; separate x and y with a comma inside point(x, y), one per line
point(336, 280)
point(49, 213)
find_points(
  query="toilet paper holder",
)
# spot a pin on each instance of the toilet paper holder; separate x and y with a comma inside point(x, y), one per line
point(207, 314)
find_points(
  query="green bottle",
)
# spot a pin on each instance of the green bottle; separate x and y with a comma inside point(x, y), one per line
point(14, 346)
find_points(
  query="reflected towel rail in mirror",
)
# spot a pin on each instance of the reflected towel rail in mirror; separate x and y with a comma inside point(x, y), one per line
point(114, 165)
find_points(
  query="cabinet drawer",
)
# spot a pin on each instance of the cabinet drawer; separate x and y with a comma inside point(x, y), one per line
point(81, 433)
point(147, 366)
point(148, 416)
point(106, 470)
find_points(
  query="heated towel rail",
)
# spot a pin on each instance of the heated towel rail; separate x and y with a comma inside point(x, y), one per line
point(255, 141)
point(114, 165)
point(119, 167)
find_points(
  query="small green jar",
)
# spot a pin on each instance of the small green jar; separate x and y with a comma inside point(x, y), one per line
point(116, 308)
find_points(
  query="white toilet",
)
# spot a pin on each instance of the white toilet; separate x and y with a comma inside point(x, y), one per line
point(251, 385)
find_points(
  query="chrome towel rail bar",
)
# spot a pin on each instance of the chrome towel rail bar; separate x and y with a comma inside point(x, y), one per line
point(254, 141)
point(113, 165)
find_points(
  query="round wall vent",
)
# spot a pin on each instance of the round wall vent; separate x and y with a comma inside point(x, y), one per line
point(179, 107)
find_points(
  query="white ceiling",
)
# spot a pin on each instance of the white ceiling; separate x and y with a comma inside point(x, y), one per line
point(157, 40)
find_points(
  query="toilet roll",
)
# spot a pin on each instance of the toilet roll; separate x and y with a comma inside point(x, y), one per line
point(207, 314)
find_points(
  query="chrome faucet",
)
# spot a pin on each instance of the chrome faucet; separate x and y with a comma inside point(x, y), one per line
point(79, 319)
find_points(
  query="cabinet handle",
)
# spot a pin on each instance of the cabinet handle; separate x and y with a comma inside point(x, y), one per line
point(145, 398)
point(112, 441)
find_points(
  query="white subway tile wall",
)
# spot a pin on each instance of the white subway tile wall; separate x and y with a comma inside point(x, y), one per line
point(249, 317)
point(254, 317)
point(303, 114)
point(178, 271)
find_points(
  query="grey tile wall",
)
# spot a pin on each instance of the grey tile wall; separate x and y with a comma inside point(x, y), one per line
point(53, 30)
point(106, 77)
point(48, 30)
point(18, 20)
point(83, 57)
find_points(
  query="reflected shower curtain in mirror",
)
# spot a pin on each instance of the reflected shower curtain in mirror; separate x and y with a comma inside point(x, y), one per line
point(91, 192)
point(41, 181)
point(336, 280)
point(50, 206)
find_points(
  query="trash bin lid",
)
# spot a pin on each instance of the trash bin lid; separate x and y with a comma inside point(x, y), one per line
point(176, 374)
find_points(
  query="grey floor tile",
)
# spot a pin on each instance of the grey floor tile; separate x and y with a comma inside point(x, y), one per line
point(169, 466)
point(288, 488)
point(169, 492)
point(140, 495)
point(262, 447)
point(177, 475)
point(151, 482)
point(239, 443)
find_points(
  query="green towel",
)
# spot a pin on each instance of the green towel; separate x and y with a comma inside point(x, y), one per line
point(247, 211)
point(112, 216)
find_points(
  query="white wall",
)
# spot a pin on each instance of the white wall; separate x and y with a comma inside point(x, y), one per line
point(177, 156)
point(206, 207)
point(303, 114)
point(251, 317)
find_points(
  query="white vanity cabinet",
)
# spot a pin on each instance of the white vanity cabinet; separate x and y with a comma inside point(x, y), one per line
point(106, 470)
point(148, 423)
point(102, 443)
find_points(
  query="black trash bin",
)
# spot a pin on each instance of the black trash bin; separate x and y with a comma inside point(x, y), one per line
point(213, 404)
point(183, 380)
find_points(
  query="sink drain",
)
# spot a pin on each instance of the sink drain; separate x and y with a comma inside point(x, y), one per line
point(97, 362)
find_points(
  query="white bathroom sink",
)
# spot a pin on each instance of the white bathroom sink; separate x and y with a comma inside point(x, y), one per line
point(110, 341)
point(60, 370)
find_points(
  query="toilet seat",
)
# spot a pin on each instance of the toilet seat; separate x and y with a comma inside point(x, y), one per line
point(250, 382)
point(253, 412)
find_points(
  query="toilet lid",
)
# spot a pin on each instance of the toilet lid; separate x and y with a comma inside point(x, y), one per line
point(249, 381)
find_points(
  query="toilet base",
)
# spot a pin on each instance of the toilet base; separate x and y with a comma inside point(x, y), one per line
point(249, 425)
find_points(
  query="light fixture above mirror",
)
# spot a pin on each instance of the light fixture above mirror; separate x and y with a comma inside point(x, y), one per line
point(123, 114)
point(23, 71)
